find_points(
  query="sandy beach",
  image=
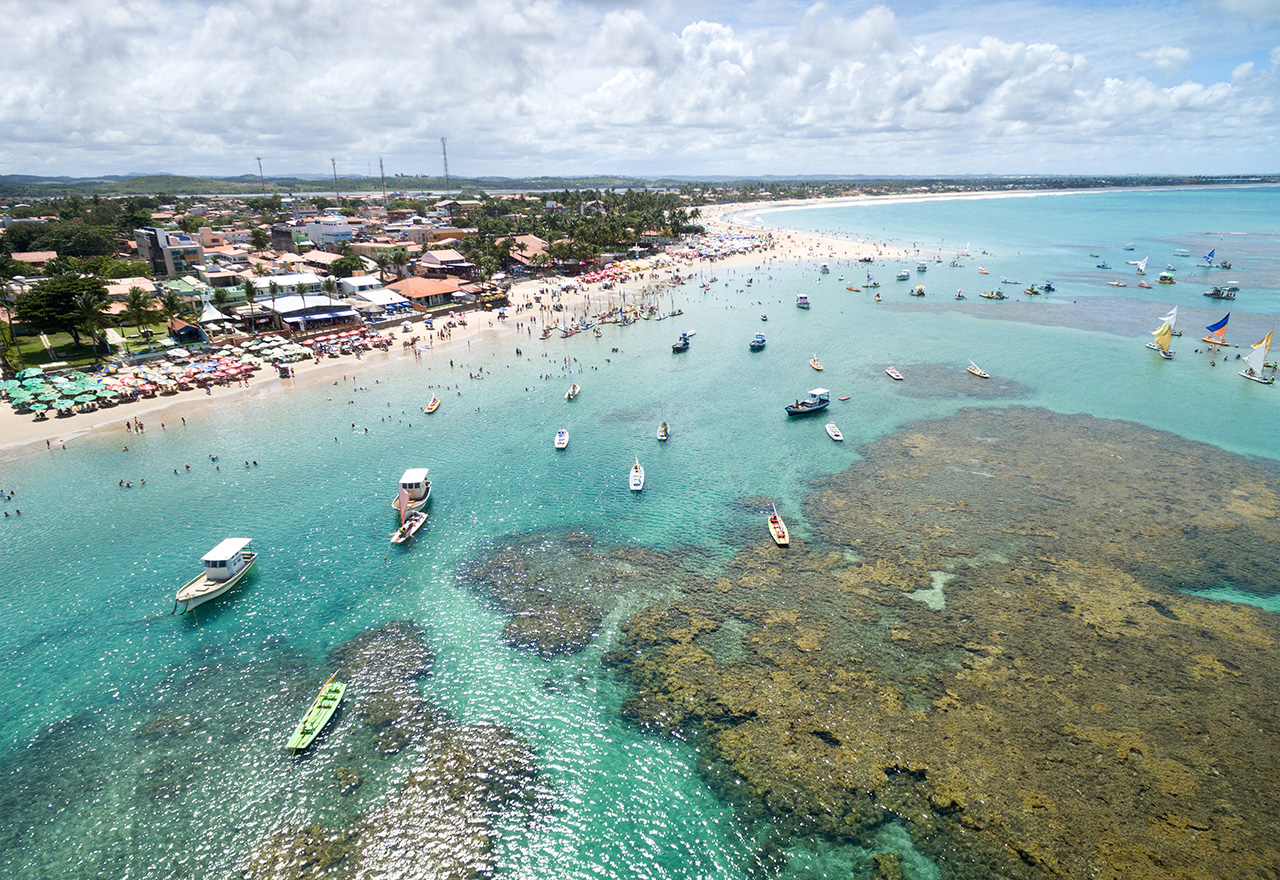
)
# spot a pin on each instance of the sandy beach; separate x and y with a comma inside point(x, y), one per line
point(22, 434)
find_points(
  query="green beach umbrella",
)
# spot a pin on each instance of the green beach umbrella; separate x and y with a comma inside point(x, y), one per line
point(86, 398)
point(10, 383)
point(31, 382)
point(104, 394)
point(38, 407)
point(49, 396)
point(31, 372)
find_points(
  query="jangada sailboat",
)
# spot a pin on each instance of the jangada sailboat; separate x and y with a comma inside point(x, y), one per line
point(635, 479)
point(1217, 331)
point(410, 520)
point(778, 529)
point(1256, 361)
point(1172, 319)
point(1161, 343)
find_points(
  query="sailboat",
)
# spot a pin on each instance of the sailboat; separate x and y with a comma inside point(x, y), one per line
point(410, 520)
point(1208, 258)
point(1256, 361)
point(636, 478)
point(1142, 265)
point(778, 529)
point(1172, 319)
point(1265, 345)
point(1161, 343)
point(978, 371)
point(1217, 331)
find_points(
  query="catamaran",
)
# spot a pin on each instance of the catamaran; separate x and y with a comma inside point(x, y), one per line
point(414, 481)
point(224, 566)
point(1161, 343)
point(1217, 331)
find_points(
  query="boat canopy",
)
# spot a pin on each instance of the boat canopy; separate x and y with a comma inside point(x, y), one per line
point(819, 392)
point(414, 476)
point(227, 550)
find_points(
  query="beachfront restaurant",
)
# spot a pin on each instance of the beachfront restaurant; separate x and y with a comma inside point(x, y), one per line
point(306, 314)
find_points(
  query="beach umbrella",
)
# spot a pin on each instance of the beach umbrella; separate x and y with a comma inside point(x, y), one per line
point(10, 383)
point(31, 372)
point(38, 407)
point(86, 398)
point(105, 394)
point(49, 395)
point(32, 383)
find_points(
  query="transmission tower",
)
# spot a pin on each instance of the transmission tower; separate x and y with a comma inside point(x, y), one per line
point(444, 149)
point(336, 194)
point(262, 179)
point(383, 172)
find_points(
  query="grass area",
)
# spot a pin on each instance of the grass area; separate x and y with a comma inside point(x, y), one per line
point(136, 344)
point(34, 354)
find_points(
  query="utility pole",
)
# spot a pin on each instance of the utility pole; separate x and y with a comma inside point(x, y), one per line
point(262, 179)
point(383, 172)
point(444, 148)
point(336, 195)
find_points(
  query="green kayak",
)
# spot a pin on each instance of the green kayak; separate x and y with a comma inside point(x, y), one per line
point(318, 715)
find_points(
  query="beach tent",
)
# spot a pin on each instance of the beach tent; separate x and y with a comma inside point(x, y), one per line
point(211, 314)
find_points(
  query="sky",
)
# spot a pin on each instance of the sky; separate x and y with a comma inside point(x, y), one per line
point(522, 88)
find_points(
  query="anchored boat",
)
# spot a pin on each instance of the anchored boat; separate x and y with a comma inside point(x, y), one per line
point(778, 529)
point(818, 400)
point(322, 709)
point(224, 567)
point(414, 482)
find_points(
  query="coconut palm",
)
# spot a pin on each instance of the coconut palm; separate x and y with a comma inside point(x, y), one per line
point(330, 286)
point(399, 259)
point(89, 314)
point(259, 239)
point(138, 308)
point(383, 260)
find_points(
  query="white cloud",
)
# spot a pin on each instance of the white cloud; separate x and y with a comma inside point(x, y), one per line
point(577, 87)
point(1170, 60)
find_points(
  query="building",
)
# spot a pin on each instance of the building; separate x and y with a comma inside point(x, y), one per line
point(439, 263)
point(425, 293)
point(285, 284)
point(329, 231)
point(169, 254)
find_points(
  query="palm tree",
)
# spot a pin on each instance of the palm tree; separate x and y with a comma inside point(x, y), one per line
point(172, 305)
point(259, 239)
point(383, 260)
point(250, 294)
point(88, 314)
point(137, 308)
point(399, 259)
point(329, 286)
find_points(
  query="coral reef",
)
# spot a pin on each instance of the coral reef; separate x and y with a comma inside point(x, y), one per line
point(1067, 712)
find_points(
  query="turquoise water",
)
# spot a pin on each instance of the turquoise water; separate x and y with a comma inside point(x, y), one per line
point(90, 569)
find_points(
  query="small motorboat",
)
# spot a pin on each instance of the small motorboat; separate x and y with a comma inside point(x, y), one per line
point(846, 397)
point(635, 481)
point(562, 438)
point(918, 290)
point(893, 373)
point(572, 392)
point(978, 371)
point(813, 362)
point(778, 529)
point(833, 432)
point(764, 317)
point(757, 343)
point(664, 431)
point(681, 344)
point(433, 405)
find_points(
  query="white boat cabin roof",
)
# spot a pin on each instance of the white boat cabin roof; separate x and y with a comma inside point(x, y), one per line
point(818, 392)
point(228, 549)
point(414, 475)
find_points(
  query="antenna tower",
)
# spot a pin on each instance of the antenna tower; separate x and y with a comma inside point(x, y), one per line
point(383, 172)
point(262, 179)
point(444, 148)
point(336, 195)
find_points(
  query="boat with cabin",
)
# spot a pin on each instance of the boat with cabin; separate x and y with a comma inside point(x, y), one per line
point(992, 294)
point(778, 529)
point(904, 275)
point(818, 400)
point(414, 481)
point(813, 362)
point(922, 266)
point(635, 478)
point(757, 342)
point(322, 709)
point(802, 301)
point(1166, 278)
point(1220, 293)
point(224, 567)
point(978, 371)
point(562, 438)
point(681, 344)
point(833, 432)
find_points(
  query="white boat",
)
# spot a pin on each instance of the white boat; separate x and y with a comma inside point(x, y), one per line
point(834, 432)
point(636, 478)
point(904, 275)
point(562, 438)
point(922, 266)
point(1161, 343)
point(978, 371)
point(572, 392)
point(410, 520)
point(414, 481)
point(1257, 363)
point(893, 373)
point(1172, 320)
point(224, 566)
point(802, 301)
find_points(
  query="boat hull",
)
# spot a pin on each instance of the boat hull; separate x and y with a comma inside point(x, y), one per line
point(412, 523)
point(200, 589)
point(778, 531)
point(317, 716)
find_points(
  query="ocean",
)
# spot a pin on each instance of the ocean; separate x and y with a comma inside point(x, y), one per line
point(144, 745)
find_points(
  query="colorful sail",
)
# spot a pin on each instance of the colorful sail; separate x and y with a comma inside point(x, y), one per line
point(1218, 329)
point(402, 503)
point(1208, 258)
point(1163, 335)
point(1265, 344)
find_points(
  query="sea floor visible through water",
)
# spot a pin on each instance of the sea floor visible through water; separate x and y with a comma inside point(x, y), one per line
point(142, 744)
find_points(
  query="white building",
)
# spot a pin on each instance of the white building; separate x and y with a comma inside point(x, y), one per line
point(329, 230)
